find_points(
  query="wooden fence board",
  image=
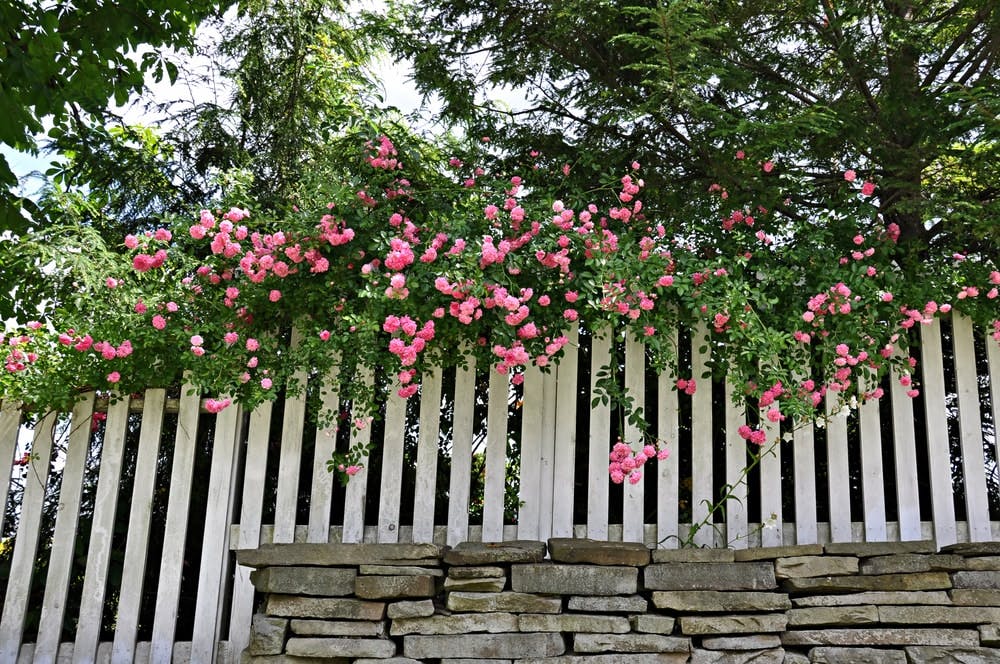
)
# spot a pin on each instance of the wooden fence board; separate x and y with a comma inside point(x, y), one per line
point(533, 410)
point(905, 452)
point(635, 387)
point(357, 486)
point(461, 454)
point(290, 461)
point(564, 437)
point(977, 503)
point(737, 528)
point(321, 489)
point(251, 511)
point(213, 569)
point(175, 530)
point(600, 433)
point(872, 486)
point(425, 487)
point(139, 522)
point(95, 578)
point(22, 564)
point(772, 519)
point(702, 428)
point(936, 418)
point(10, 421)
point(668, 477)
point(804, 460)
point(837, 473)
point(496, 457)
point(993, 359)
point(392, 467)
point(64, 536)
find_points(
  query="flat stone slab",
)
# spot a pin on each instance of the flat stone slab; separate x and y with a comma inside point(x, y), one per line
point(881, 637)
point(877, 597)
point(932, 655)
point(323, 581)
point(572, 622)
point(775, 552)
point(973, 548)
point(388, 660)
point(909, 563)
point(974, 597)
point(651, 623)
point(471, 572)
point(834, 616)
point(800, 567)
point(335, 647)
point(489, 553)
point(754, 642)
point(337, 627)
point(597, 552)
point(624, 643)
point(938, 615)
point(983, 563)
point(392, 587)
point(289, 659)
point(484, 585)
point(867, 549)
point(411, 609)
point(618, 658)
point(335, 555)
point(709, 576)
point(693, 556)
point(399, 570)
point(557, 579)
point(989, 635)
point(894, 582)
point(629, 604)
point(837, 655)
point(324, 607)
point(267, 636)
point(716, 601)
point(503, 602)
point(489, 646)
point(750, 624)
point(976, 579)
point(771, 656)
point(464, 623)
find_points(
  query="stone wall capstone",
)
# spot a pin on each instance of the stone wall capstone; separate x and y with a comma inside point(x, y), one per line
point(574, 601)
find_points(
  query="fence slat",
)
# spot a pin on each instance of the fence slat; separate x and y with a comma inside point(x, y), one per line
point(532, 412)
point(600, 433)
point(461, 454)
point(546, 456)
point(357, 486)
point(64, 536)
point(872, 486)
point(321, 491)
point(496, 457)
point(635, 387)
point(905, 452)
point(140, 517)
point(251, 510)
point(88, 628)
point(425, 485)
point(977, 506)
point(214, 566)
point(736, 460)
point(175, 530)
point(804, 460)
point(936, 418)
point(392, 466)
point(290, 462)
point(772, 519)
point(22, 565)
point(701, 436)
point(993, 359)
point(668, 477)
point(10, 422)
point(837, 473)
point(565, 438)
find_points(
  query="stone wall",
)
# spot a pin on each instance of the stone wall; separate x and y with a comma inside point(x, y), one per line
point(580, 602)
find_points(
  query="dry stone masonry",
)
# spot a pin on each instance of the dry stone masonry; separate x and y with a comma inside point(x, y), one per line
point(584, 602)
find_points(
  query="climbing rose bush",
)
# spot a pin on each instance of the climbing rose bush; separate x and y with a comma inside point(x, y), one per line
point(403, 273)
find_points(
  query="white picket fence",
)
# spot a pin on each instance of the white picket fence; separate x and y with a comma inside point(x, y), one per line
point(554, 485)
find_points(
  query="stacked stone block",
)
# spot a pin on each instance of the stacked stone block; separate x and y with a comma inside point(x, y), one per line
point(580, 602)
